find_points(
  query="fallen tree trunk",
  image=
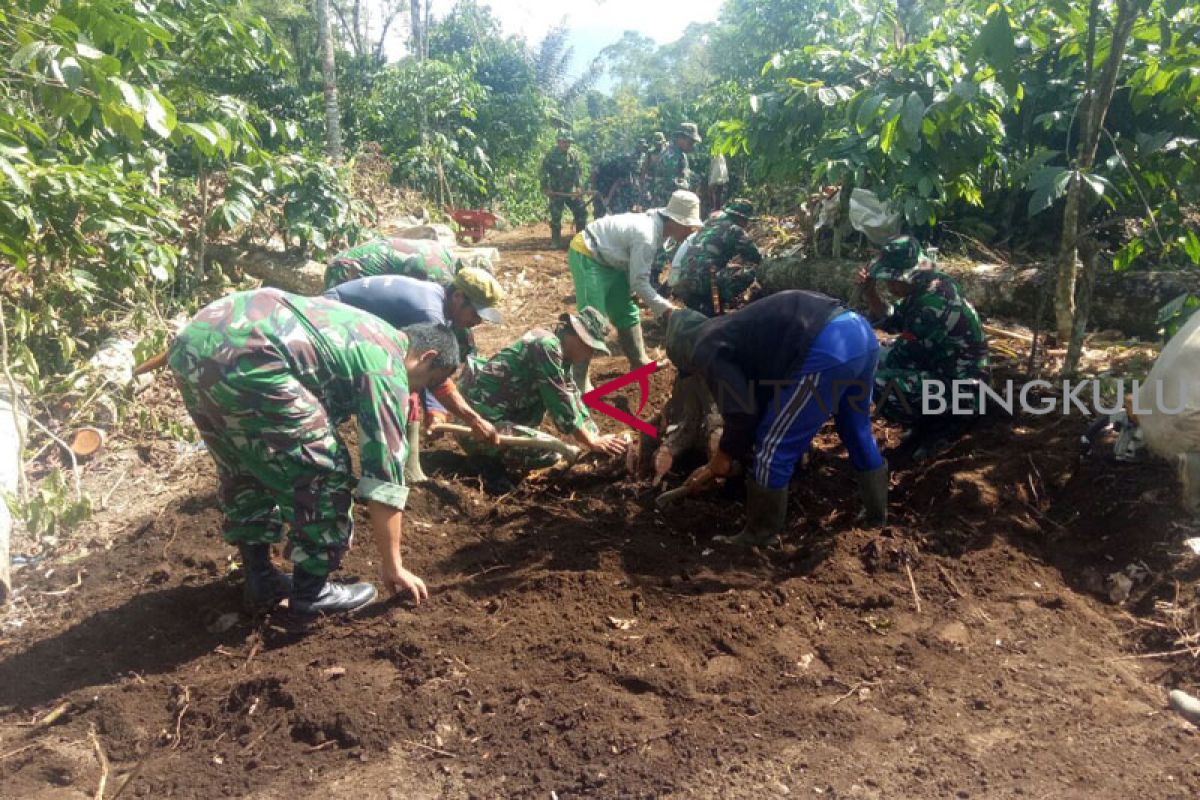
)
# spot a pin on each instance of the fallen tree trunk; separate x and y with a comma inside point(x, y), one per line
point(1127, 302)
point(301, 275)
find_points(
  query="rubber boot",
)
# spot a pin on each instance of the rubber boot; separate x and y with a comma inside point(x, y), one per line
point(556, 236)
point(633, 346)
point(873, 489)
point(582, 375)
point(264, 586)
point(766, 513)
point(315, 594)
point(413, 474)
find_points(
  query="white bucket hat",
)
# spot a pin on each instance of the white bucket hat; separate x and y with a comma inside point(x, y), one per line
point(684, 208)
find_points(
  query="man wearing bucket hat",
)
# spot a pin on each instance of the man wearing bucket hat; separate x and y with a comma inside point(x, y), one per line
point(705, 282)
point(940, 340)
point(562, 183)
point(778, 369)
point(671, 171)
point(472, 298)
point(613, 256)
point(516, 388)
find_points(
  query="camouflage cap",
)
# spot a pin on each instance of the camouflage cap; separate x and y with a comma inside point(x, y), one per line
point(899, 259)
point(689, 131)
point(659, 137)
point(566, 136)
point(683, 329)
point(740, 207)
point(482, 290)
point(591, 326)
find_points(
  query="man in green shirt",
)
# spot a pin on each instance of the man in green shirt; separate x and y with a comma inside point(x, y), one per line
point(516, 388)
point(562, 182)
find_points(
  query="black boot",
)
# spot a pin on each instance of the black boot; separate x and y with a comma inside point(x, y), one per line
point(264, 586)
point(555, 236)
point(315, 594)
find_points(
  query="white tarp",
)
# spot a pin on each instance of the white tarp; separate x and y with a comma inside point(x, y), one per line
point(1168, 408)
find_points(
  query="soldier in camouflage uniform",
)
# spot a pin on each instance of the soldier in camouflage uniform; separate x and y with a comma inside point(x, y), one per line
point(671, 171)
point(615, 185)
point(423, 259)
point(654, 152)
point(562, 182)
point(940, 339)
point(516, 388)
point(267, 376)
point(706, 282)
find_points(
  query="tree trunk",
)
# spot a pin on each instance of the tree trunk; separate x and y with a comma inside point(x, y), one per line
point(1089, 254)
point(1124, 301)
point(1093, 110)
point(333, 130)
point(418, 32)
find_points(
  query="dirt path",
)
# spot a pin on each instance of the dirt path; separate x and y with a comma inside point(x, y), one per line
point(577, 643)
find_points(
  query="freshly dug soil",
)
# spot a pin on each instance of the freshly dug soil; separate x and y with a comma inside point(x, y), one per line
point(579, 643)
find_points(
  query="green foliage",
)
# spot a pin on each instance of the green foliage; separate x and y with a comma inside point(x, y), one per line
point(53, 508)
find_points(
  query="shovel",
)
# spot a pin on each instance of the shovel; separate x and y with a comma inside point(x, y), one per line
point(569, 452)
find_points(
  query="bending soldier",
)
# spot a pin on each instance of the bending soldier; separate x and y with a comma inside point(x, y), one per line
point(267, 377)
point(706, 283)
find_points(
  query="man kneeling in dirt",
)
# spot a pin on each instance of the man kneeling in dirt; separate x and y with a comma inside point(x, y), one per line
point(705, 281)
point(518, 386)
point(267, 377)
point(778, 369)
point(940, 341)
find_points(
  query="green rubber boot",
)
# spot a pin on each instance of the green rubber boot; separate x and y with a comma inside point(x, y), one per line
point(633, 346)
point(766, 513)
point(873, 489)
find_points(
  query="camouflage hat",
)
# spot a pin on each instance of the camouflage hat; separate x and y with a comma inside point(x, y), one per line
point(482, 290)
point(591, 326)
point(659, 137)
point(683, 329)
point(900, 258)
point(740, 207)
point(688, 130)
point(566, 136)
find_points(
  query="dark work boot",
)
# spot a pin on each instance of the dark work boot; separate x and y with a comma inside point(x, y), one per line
point(264, 586)
point(316, 594)
point(873, 489)
point(766, 513)
point(555, 236)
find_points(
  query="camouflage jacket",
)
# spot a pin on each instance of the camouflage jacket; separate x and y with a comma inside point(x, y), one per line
point(669, 174)
point(525, 381)
point(939, 331)
point(717, 243)
point(426, 262)
point(562, 172)
point(249, 350)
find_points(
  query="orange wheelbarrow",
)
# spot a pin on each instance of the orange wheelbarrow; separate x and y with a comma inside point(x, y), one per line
point(473, 221)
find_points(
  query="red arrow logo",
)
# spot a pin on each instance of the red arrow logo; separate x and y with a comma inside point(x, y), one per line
point(642, 376)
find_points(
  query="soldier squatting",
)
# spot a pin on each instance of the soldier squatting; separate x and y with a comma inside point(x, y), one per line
point(268, 376)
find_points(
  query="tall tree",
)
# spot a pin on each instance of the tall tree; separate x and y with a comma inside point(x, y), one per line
point(333, 131)
point(1093, 109)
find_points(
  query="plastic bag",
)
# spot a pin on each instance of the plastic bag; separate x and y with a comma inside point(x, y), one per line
point(873, 217)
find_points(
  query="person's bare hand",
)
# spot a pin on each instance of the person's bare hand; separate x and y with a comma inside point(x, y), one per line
point(611, 445)
point(486, 431)
point(700, 480)
point(398, 580)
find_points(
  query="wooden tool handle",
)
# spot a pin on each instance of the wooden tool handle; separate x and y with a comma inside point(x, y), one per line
point(150, 364)
point(567, 451)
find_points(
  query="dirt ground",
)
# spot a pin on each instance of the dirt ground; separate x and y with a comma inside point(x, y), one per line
point(579, 643)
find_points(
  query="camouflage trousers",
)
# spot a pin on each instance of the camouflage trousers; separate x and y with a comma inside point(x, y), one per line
point(694, 288)
point(515, 458)
point(578, 208)
point(278, 458)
